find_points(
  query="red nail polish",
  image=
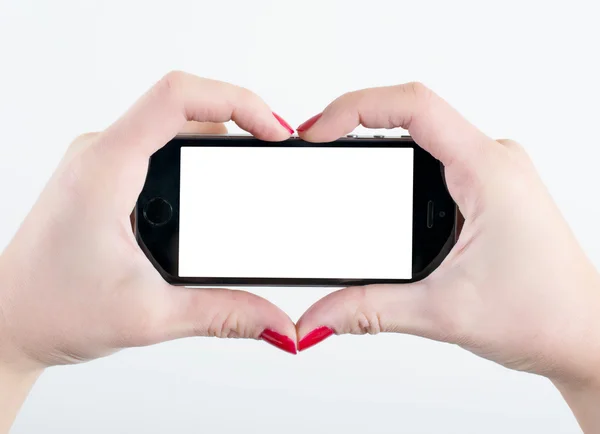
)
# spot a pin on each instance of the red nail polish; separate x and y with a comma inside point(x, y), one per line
point(280, 341)
point(309, 123)
point(283, 123)
point(314, 337)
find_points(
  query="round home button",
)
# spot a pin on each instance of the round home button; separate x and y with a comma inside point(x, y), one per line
point(158, 211)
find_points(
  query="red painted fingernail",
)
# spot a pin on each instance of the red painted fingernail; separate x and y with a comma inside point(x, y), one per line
point(309, 123)
point(283, 123)
point(280, 341)
point(314, 337)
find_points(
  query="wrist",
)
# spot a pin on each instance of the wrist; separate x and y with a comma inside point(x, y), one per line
point(573, 388)
point(583, 400)
point(580, 385)
point(17, 374)
point(12, 358)
point(15, 384)
point(575, 360)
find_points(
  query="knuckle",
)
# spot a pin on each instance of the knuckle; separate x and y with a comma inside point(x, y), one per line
point(84, 138)
point(245, 94)
point(521, 155)
point(420, 97)
point(366, 319)
point(367, 322)
point(509, 143)
point(349, 98)
point(417, 89)
point(73, 173)
point(170, 84)
point(174, 78)
point(513, 146)
point(237, 97)
point(513, 171)
point(227, 325)
point(244, 97)
point(230, 323)
point(80, 143)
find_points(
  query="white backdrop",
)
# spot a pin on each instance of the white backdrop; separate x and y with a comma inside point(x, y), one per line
point(527, 70)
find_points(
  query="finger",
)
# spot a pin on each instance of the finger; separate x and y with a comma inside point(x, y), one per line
point(432, 122)
point(368, 309)
point(227, 313)
point(193, 127)
point(180, 97)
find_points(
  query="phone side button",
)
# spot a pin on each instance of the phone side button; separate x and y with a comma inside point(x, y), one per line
point(430, 214)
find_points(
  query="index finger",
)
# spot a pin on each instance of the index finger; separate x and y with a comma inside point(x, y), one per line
point(180, 97)
point(432, 122)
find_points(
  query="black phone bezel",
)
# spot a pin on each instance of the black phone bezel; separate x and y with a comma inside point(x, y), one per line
point(161, 243)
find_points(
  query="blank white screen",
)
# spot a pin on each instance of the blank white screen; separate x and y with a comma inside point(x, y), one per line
point(296, 212)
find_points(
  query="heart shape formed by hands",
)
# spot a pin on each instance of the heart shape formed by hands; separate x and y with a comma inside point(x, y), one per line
point(77, 286)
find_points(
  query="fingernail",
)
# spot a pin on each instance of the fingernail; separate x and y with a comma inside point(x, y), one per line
point(309, 123)
point(280, 341)
point(283, 123)
point(314, 337)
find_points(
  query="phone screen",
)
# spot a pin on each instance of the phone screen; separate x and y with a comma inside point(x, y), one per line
point(296, 212)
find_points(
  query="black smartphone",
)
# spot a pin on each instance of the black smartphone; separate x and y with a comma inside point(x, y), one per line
point(234, 210)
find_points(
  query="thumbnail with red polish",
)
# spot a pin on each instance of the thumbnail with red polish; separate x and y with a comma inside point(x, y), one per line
point(309, 123)
point(314, 337)
point(283, 123)
point(278, 340)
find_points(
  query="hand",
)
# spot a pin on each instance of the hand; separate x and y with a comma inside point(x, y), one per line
point(516, 289)
point(74, 284)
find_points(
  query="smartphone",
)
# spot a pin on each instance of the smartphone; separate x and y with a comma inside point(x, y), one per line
point(234, 210)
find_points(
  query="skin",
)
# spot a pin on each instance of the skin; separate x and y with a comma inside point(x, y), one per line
point(516, 289)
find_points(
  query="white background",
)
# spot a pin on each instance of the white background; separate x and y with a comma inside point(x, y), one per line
point(522, 69)
point(296, 212)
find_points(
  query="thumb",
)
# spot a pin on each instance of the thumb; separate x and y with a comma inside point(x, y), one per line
point(226, 313)
point(370, 309)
